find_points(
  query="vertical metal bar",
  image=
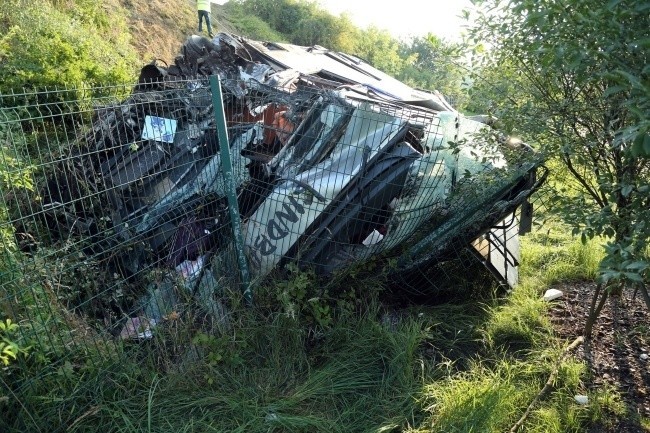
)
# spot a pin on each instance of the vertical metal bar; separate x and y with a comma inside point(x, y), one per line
point(226, 171)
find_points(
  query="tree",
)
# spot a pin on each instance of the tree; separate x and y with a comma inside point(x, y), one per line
point(584, 96)
point(322, 28)
point(434, 64)
point(380, 49)
point(302, 22)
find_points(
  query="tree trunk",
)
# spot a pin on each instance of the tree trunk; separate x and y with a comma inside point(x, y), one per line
point(595, 308)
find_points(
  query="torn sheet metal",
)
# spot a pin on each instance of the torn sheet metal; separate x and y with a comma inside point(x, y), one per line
point(334, 162)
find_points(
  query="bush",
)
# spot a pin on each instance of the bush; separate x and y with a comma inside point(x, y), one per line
point(46, 46)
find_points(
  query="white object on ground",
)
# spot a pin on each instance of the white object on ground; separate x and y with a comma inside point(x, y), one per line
point(644, 357)
point(552, 294)
point(137, 328)
point(581, 399)
point(190, 268)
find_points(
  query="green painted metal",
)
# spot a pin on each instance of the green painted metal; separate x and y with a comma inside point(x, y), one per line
point(226, 167)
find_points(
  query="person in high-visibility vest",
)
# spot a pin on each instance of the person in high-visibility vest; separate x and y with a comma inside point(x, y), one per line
point(203, 6)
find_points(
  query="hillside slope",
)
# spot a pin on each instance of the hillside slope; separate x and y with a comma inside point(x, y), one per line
point(159, 27)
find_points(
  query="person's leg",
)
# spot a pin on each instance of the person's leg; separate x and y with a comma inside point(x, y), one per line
point(208, 24)
point(200, 21)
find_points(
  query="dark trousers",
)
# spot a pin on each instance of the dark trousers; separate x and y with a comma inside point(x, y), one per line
point(206, 15)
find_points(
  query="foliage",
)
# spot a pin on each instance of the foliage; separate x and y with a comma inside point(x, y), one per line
point(251, 25)
point(582, 94)
point(324, 29)
point(9, 348)
point(433, 64)
point(380, 49)
point(53, 44)
point(301, 22)
point(15, 175)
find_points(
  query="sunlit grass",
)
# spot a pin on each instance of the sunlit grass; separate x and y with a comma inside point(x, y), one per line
point(556, 256)
point(645, 423)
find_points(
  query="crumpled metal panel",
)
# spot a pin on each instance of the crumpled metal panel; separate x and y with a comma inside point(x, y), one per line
point(334, 163)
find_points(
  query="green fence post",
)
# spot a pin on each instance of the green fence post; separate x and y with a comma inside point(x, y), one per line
point(226, 167)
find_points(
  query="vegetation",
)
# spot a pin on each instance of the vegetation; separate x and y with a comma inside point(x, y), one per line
point(432, 63)
point(576, 78)
point(281, 367)
point(340, 357)
point(56, 44)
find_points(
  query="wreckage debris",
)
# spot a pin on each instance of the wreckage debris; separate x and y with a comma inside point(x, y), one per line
point(334, 163)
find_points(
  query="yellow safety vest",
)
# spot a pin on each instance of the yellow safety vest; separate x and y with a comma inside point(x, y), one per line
point(203, 5)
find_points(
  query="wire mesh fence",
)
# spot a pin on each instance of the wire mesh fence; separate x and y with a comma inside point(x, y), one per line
point(124, 207)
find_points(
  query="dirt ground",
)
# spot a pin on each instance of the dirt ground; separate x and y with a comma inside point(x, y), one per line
point(619, 353)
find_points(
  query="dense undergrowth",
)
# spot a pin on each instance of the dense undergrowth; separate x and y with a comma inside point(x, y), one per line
point(361, 364)
point(48, 45)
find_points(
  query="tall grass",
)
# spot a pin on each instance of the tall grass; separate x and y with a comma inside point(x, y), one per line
point(469, 366)
point(553, 255)
point(361, 377)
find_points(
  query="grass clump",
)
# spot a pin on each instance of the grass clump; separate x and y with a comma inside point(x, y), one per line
point(481, 400)
point(358, 377)
point(520, 324)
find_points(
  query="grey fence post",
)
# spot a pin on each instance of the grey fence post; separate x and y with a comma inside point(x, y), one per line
point(231, 192)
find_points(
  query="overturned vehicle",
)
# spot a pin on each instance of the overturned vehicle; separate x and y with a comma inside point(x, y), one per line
point(325, 162)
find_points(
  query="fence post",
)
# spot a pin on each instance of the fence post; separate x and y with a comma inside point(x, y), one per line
point(231, 192)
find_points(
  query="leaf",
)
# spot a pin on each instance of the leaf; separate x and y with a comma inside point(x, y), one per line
point(626, 190)
point(642, 7)
point(638, 266)
point(641, 145)
point(632, 79)
point(632, 276)
point(644, 43)
point(612, 4)
point(612, 90)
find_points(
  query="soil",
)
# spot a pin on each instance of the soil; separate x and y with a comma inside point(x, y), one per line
point(618, 354)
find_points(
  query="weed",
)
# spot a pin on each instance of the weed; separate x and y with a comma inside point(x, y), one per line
point(9, 348)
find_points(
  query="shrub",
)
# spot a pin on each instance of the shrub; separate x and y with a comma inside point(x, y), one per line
point(46, 46)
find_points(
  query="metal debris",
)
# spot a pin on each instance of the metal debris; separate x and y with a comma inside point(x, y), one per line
point(334, 162)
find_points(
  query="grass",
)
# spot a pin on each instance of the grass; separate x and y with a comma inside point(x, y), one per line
point(518, 353)
point(360, 379)
point(553, 256)
point(233, 16)
point(465, 366)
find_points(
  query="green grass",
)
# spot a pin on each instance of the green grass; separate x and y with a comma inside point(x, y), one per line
point(362, 378)
point(249, 25)
point(518, 353)
point(465, 366)
point(554, 256)
point(482, 399)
